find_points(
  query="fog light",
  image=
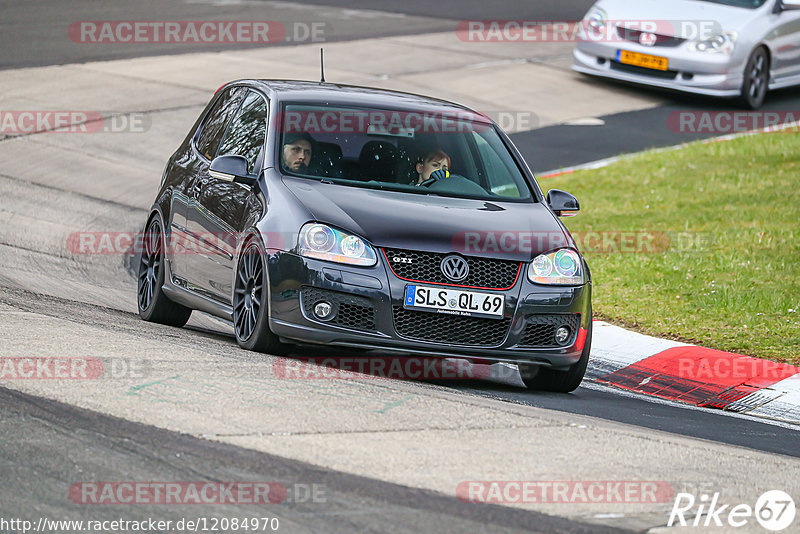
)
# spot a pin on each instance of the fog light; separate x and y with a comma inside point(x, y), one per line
point(323, 309)
point(562, 335)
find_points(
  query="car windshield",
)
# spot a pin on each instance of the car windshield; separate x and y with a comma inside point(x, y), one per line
point(749, 4)
point(458, 154)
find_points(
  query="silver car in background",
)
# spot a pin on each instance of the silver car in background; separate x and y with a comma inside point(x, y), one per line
point(721, 48)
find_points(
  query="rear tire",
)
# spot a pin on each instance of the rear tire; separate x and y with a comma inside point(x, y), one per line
point(154, 305)
point(544, 379)
point(250, 306)
point(756, 79)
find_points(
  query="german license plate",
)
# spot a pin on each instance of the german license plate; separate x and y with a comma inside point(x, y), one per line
point(642, 60)
point(454, 302)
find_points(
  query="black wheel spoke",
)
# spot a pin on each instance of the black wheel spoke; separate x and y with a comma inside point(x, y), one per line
point(242, 276)
point(251, 320)
point(247, 265)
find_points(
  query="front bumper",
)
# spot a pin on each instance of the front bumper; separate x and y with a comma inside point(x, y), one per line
point(373, 314)
point(715, 75)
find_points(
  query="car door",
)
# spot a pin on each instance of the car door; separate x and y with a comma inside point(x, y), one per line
point(215, 217)
point(784, 42)
point(192, 166)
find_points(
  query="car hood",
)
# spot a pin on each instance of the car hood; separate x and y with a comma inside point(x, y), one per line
point(504, 230)
point(670, 14)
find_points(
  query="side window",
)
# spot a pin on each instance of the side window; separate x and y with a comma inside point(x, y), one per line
point(500, 180)
point(246, 134)
point(214, 126)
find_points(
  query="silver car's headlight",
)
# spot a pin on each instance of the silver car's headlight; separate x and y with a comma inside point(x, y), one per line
point(721, 43)
point(562, 267)
point(594, 23)
point(322, 242)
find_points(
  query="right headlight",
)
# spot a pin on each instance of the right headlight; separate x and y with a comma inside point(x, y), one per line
point(317, 240)
point(721, 43)
point(562, 267)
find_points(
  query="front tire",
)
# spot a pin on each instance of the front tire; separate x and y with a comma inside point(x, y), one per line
point(154, 305)
point(250, 307)
point(543, 379)
point(756, 79)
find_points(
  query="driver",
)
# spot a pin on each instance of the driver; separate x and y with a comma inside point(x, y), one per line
point(435, 165)
point(297, 150)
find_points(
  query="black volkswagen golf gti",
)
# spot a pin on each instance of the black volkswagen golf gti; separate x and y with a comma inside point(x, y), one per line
point(315, 213)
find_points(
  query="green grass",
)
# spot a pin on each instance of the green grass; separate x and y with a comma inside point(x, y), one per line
point(729, 212)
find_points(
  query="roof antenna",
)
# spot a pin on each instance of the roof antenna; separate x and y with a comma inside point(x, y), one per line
point(321, 66)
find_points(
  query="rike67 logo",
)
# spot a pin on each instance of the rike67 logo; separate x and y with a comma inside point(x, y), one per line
point(774, 510)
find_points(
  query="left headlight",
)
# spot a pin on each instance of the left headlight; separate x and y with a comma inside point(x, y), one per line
point(721, 43)
point(593, 26)
point(322, 242)
point(562, 267)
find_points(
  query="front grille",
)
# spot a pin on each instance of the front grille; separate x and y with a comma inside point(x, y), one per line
point(426, 267)
point(350, 311)
point(665, 41)
point(540, 330)
point(443, 328)
point(644, 71)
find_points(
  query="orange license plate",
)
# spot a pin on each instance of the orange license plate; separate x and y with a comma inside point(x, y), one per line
point(642, 60)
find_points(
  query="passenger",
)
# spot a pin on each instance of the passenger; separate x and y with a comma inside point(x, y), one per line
point(297, 150)
point(434, 166)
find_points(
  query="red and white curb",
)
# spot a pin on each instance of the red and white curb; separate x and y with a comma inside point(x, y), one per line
point(694, 375)
point(685, 373)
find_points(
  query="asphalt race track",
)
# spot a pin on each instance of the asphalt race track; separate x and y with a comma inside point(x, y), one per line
point(387, 455)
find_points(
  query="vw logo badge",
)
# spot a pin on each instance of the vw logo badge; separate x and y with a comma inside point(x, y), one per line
point(455, 268)
point(647, 39)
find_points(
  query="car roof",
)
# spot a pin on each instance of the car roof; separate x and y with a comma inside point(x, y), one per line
point(305, 92)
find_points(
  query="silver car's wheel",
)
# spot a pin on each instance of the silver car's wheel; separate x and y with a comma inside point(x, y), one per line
point(756, 79)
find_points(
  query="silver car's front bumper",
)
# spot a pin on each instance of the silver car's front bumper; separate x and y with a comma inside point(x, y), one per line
point(706, 74)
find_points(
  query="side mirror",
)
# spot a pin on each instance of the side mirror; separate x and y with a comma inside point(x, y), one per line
point(788, 5)
point(562, 203)
point(231, 169)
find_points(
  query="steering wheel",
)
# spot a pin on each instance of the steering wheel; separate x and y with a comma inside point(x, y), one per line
point(438, 174)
